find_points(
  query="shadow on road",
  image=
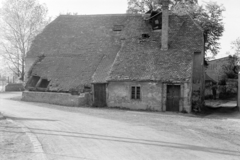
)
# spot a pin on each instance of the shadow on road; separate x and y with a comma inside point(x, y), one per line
point(221, 113)
point(130, 140)
point(28, 119)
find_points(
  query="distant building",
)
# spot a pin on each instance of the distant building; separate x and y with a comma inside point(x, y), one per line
point(215, 70)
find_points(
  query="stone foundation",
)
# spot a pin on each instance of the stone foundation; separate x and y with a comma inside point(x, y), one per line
point(65, 99)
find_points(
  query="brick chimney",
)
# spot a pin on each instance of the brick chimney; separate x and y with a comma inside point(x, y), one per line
point(165, 21)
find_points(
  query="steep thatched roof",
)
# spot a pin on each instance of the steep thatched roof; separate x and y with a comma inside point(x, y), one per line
point(66, 72)
point(80, 50)
point(75, 47)
point(144, 60)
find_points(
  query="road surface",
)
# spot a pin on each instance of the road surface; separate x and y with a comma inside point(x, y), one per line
point(70, 133)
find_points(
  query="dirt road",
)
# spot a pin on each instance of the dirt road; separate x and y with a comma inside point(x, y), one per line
point(68, 133)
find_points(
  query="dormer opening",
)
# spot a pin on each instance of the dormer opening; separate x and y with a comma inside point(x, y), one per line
point(156, 20)
point(145, 36)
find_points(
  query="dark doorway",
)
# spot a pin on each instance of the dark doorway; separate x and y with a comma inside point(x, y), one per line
point(99, 95)
point(173, 98)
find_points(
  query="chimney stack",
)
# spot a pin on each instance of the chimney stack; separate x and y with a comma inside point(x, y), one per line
point(165, 21)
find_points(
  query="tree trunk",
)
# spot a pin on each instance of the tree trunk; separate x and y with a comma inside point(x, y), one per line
point(23, 69)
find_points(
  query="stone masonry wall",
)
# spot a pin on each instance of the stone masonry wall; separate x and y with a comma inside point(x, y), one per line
point(119, 96)
point(153, 96)
point(65, 99)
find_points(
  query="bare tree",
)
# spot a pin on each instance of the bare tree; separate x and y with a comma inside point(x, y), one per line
point(21, 21)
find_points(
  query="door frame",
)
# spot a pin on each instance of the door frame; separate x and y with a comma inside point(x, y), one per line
point(93, 92)
point(173, 93)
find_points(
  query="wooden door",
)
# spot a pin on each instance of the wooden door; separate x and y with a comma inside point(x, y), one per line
point(100, 95)
point(173, 98)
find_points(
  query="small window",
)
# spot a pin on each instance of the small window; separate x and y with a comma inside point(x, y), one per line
point(44, 83)
point(136, 92)
point(145, 36)
point(118, 27)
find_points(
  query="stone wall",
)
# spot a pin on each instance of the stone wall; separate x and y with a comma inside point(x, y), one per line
point(65, 99)
point(153, 96)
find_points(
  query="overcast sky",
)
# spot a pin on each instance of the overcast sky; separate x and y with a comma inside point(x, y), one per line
point(231, 15)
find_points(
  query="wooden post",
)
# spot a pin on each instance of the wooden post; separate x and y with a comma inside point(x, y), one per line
point(238, 100)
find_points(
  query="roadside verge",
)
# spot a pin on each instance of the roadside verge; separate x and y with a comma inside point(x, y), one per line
point(17, 141)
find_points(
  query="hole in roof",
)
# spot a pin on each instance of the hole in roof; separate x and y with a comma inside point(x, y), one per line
point(145, 36)
point(44, 83)
point(118, 27)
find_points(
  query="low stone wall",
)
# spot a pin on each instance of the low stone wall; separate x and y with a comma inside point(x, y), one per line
point(65, 99)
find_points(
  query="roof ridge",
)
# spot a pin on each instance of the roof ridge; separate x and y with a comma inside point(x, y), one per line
point(115, 59)
point(195, 22)
point(97, 15)
point(98, 65)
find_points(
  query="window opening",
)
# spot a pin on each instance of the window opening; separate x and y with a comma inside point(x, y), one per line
point(33, 81)
point(44, 83)
point(136, 92)
point(156, 20)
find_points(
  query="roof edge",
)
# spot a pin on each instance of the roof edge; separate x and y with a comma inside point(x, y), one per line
point(99, 15)
point(219, 59)
point(195, 23)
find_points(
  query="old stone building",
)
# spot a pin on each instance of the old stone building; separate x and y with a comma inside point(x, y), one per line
point(126, 61)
